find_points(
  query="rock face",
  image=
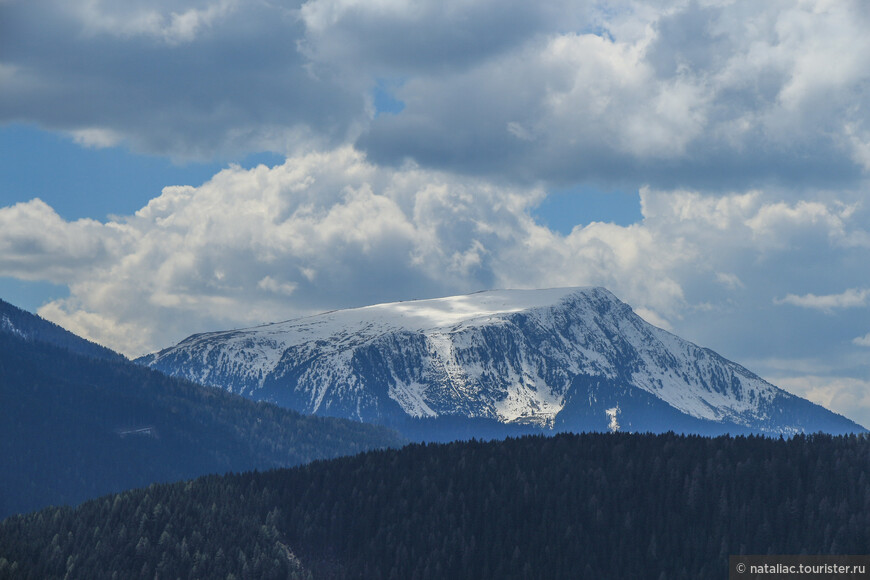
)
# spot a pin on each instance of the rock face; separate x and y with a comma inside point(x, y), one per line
point(568, 359)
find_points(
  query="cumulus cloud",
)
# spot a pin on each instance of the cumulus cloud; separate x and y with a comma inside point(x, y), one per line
point(330, 229)
point(37, 244)
point(321, 231)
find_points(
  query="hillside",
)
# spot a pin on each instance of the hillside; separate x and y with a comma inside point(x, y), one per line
point(73, 427)
point(569, 506)
point(18, 322)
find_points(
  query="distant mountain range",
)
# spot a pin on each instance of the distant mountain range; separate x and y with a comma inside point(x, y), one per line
point(78, 421)
point(567, 359)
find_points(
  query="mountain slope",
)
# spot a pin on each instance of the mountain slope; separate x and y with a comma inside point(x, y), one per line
point(18, 322)
point(74, 427)
point(515, 356)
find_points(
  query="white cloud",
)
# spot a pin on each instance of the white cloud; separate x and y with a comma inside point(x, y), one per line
point(96, 137)
point(321, 231)
point(851, 298)
point(37, 244)
point(329, 229)
point(862, 340)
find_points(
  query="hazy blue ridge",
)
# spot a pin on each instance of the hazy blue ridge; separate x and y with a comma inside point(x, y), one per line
point(74, 427)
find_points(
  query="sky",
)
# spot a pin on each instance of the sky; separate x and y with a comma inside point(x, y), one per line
point(174, 167)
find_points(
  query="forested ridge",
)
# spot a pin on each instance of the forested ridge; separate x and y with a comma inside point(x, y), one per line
point(75, 427)
point(567, 506)
point(31, 327)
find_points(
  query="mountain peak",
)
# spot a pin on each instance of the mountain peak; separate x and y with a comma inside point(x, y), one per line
point(554, 358)
point(422, 314)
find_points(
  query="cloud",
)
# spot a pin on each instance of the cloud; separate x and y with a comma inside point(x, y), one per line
point(731, 281)
point(190, 80)
point(862, 340)
point(744, 126)
point(150, 19)
point(37, 244)
point(851, 298)
point(402, 38)
point(96, 138)
point(321, 231)
point(621, 93)
point(669, 96)
point(331, 229)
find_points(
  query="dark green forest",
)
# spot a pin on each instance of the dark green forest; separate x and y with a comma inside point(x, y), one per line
point(568, 506)
point(74, 427)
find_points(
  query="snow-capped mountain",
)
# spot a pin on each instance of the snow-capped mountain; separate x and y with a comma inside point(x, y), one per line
point(567, 358)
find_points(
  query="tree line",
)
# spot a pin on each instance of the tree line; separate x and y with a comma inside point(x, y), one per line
point(566, 506)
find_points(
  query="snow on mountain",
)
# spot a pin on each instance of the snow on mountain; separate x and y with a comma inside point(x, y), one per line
point(550, 358)
point(6, 325)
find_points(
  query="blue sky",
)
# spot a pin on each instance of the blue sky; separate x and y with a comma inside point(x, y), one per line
point(177, 166)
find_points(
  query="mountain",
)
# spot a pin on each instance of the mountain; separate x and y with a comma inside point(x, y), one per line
point(23, 324)
point(73, 427)
point(597, 505)
point(570, 359)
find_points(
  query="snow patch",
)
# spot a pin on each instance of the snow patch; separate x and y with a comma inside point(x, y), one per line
point(7, 326)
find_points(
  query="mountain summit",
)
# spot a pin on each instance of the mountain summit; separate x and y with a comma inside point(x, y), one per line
point(573, 359)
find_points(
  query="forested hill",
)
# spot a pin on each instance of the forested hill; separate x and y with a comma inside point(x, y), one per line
point(75, 427)
point(23, 324)
point(568, 506)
